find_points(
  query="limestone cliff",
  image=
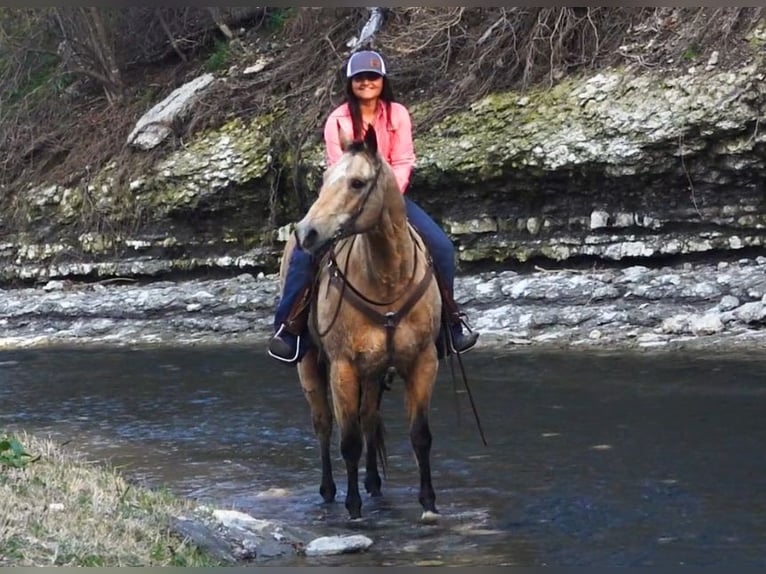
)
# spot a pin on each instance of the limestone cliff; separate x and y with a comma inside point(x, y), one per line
point(611, 166)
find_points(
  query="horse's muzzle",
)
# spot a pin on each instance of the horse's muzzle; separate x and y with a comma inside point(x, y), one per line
point(310, 238)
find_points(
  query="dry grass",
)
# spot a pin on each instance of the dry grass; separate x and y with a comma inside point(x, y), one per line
point(62, 510)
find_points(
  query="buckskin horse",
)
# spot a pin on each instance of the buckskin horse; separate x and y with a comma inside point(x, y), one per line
point(375, 313)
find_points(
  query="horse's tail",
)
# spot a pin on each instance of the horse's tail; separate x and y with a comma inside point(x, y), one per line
point(374, 426)
point(380, 442)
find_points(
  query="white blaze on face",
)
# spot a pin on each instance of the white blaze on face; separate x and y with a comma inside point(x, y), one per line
point(338, 170)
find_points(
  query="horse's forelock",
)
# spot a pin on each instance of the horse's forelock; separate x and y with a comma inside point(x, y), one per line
point(361, 147)
point(341, 169)
point(356, 146)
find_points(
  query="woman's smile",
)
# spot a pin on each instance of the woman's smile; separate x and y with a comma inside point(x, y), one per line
point(367, 86)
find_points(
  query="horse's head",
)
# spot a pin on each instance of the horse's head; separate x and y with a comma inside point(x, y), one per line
point(351, 198)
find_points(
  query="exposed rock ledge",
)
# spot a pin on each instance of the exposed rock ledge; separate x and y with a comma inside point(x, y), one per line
point(608, 167)
point(720, 306)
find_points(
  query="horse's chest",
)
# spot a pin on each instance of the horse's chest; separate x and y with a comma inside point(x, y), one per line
point(375, 342)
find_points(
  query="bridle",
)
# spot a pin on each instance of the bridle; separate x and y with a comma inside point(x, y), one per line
point(347, 226)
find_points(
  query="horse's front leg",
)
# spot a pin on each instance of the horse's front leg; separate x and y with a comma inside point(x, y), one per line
point(345, 390)
point(372, 426)
point(419, 387)
point(314, 383)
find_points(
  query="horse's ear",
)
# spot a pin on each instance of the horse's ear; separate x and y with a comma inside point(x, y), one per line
point(345, 141)
point(371, 140)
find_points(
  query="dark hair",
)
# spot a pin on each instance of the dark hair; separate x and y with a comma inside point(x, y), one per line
point(386, 95)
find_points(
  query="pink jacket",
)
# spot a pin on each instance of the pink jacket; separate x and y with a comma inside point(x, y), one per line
point(394, 143)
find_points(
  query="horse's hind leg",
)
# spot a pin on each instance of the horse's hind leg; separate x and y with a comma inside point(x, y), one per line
point(345, 391)
point(314, 383)
point(419, 387)
point(372, 426)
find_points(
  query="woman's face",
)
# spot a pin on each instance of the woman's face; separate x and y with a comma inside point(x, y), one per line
point(367, 86)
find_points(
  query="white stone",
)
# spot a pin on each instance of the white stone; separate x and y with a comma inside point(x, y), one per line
point(752, 312)
point(728, 302)
point(54, 285)
point(155, 125)
point(624, 219)
point(533, 225)
point(712, 61)
point(675, 324)
point(599, 219)
point(707, 324)
point(329, 545)
point(236, 519)
point(284, 232)
point(259, 65)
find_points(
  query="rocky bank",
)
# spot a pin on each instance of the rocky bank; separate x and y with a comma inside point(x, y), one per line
point(692, 306)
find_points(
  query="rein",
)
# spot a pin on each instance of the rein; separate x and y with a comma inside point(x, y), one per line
point(389, 320)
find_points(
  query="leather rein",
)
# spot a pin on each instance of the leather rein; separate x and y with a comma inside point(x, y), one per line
point(389, 320)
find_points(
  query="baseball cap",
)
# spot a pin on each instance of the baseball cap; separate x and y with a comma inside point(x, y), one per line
point(365, 61)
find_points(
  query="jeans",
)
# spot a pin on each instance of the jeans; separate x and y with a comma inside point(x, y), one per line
point(301, 268)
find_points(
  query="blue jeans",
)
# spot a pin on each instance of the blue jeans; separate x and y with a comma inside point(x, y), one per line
point(301, 268)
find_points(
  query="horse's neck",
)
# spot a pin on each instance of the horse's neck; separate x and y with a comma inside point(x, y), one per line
point(388, 248)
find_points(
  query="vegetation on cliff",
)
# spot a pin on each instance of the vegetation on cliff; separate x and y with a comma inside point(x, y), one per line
point(74, 81)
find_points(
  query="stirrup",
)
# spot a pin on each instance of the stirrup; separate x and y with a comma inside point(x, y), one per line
point(471, 334)
point(297, 347)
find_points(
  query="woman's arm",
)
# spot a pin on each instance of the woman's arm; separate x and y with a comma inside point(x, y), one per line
point(332, 140)
point(402, 156)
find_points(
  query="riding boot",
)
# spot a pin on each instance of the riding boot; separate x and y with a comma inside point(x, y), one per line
point(457, 341)
point(291, 341)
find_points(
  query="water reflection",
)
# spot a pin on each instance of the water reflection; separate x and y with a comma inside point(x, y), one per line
point(594, 459)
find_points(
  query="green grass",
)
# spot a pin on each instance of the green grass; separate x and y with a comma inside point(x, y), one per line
point(219, 58)
point(13, 455)
point(58, 509)
point(276, 18)
point(40, 80)
point(692, 52)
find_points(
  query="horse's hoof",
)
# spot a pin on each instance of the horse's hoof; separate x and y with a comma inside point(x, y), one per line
point(430, 517)
point(373, 487)
point(328, 493)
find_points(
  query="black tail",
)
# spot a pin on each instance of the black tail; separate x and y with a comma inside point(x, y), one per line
point(380, 442)
point(379, 427)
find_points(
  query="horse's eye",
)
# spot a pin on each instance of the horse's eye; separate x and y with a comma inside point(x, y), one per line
point(357, 183)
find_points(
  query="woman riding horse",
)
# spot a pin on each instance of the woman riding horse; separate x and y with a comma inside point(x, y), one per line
point(369, 102)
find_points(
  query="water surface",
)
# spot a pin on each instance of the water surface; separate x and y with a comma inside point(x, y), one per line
point(593, 459)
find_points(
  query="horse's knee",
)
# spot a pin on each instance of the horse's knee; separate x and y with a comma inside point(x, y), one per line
point(322, 424)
